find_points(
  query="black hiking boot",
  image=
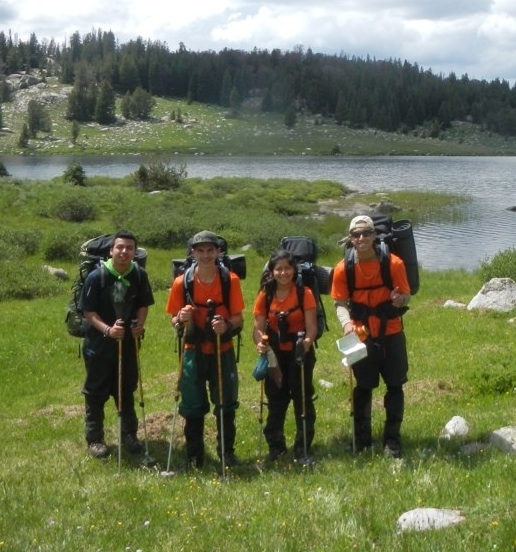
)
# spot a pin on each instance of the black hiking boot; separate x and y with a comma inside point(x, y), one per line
point(132, 444)
point(98, 449)
point(275, 453)
point(392, 448)
point(195, 462)
point(231, 460)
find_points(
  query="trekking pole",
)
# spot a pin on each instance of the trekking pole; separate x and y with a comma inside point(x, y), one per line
point(119, 405)
point(148, 460)
point(265, 341)
point(300, 355)
point(221, 407)
point(260, 417)
point(352, 410)
point(180, 332)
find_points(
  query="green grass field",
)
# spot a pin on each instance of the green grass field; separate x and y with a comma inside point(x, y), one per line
point(55, 497)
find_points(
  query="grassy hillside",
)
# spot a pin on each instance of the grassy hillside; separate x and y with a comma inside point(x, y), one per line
point(209, 130)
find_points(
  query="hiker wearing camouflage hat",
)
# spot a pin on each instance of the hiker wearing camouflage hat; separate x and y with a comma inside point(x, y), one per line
point(210, 314)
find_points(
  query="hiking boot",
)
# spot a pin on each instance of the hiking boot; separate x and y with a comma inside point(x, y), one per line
point(195, 462)
point(98, 449)
point(132, 444)
point(231, 460)
point(275, 453)
point(392, 448)
point(299, 453)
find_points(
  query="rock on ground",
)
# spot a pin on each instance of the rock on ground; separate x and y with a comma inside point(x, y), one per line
point(422, 519)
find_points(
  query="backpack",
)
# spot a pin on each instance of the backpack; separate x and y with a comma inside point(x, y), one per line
point(391, 236)
point(234, 263)
point(309, 274)
point(92, 253)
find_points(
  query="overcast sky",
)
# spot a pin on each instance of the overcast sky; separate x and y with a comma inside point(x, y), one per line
point(473, 37)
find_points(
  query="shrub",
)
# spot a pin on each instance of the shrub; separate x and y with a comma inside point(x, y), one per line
point(158, 175)
point(75, 209)
point(502, 265)
point(75, 174)
point(26, 281)
point(64, 246)
point(496, 381)
point(3, 171)
point(20, 242)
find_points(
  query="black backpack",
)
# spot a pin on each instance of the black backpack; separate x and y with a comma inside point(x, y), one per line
point(391, 237)
point(309, 274)
point(91, 254)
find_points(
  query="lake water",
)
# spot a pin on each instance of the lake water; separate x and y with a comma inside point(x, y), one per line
point(486, 227)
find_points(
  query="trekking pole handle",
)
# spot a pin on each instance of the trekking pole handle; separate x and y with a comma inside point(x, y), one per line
point(300, 347)
point(117, 329)
point(219, 324)
point(263, 346)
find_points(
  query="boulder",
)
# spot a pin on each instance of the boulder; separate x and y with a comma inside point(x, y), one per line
point(498, 294)
point(504, 439)
point(422, 519)
point(450, 303)
point(59, 273)
point(456, 428)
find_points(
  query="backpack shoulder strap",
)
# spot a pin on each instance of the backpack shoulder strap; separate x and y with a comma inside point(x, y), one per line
point(300, 288)
point(225, 281)
point(349, 267)
point(188, 281)
point(188, 284)
point(385, 264)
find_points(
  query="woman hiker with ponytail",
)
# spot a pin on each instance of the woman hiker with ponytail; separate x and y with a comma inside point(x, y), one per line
point(279, 316)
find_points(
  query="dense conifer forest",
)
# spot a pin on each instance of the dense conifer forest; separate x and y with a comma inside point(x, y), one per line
point(390, 95)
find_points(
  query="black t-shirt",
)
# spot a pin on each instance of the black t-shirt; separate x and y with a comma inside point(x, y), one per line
point(98, 296)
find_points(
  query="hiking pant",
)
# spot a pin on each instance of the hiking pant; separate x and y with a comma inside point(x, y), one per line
point(278, 400)
point(386, 358)
point(394, 404)
point(101, 362)
point(200, 369)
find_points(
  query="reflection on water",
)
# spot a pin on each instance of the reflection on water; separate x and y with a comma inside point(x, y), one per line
point(486, 228)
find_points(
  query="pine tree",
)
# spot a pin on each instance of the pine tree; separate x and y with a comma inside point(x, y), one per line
point(23, 140)
point(105, 105)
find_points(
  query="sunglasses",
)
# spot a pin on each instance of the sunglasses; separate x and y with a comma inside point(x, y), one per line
point(365, 233)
